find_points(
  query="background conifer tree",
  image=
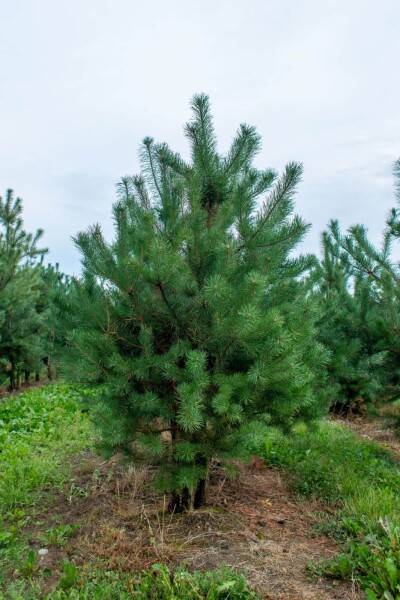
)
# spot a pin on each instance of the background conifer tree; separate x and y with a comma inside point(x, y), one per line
point(348, 304)
point(195, 318)
point(54, 286)
point(20, 282)
point(376, 278)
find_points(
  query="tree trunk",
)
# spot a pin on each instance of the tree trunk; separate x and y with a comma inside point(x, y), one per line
point(179, 502)
point(13, 381)
point(48, 358)
point(48, 367)
point(37, 377)
point(185, 500)
point(199, 497)
point(200, 494)
point(27, 376)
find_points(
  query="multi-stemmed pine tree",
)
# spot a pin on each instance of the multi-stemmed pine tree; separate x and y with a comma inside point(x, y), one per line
point(195, 318)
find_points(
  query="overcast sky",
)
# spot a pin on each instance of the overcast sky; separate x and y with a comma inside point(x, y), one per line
point(83, 81)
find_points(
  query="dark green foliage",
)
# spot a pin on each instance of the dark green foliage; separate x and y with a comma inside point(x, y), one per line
point(54, 287)
point(195, 318)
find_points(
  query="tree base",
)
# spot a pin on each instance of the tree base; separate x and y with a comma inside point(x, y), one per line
point(186, 500)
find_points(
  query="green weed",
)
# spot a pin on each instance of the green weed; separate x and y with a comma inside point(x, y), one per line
point(69, 575)
point(362, 481)
point(29, 565)
point(39, 429)
point(159, 583)
point(58, 536)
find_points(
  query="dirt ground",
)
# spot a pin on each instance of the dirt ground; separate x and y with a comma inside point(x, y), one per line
point(249, 524)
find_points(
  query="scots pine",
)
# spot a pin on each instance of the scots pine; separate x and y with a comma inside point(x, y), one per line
point(348, 305)
point(377, 275)
point(195, 320)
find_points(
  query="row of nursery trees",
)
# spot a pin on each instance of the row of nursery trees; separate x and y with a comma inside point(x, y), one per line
point(201, 324)
point(27, 293)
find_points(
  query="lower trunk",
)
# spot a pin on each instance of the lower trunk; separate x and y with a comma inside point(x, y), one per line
point(48, 367)
point(13, 382)
point(37, 376)
point(185, 500)
point(27, 376)
point(179, 502)
point(200, 494)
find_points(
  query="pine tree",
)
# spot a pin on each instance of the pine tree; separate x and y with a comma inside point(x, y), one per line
point(348, 305)
point(54, 285)
point(195, 319)
point(379, 275)
point(20, 281)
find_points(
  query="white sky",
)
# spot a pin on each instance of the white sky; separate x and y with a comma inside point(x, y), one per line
point(83, 81)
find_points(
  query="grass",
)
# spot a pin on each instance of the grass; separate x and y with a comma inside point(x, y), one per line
point(38, 429)
point(361, 481)
point(41, 431)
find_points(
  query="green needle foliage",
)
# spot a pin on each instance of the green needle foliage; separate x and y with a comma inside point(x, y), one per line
point(195, 318)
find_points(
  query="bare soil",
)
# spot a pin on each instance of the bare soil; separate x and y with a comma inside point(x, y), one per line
point(250, 523)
